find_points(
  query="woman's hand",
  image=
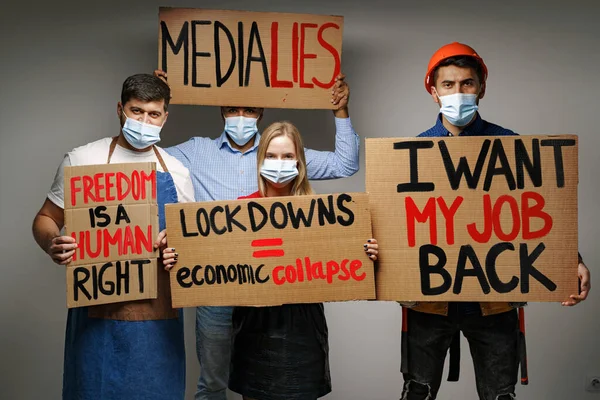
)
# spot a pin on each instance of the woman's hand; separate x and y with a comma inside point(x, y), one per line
point(169, 258)
point(372, 249)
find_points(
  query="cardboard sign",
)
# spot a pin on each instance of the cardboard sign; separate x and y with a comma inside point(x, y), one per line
point(271, 251)
point(112, 213)
point(241, 58)
point(475, 218)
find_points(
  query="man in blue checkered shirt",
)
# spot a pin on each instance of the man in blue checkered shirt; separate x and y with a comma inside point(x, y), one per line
point(225, 169)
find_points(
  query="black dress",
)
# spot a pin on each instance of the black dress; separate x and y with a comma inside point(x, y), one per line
point(280, 353)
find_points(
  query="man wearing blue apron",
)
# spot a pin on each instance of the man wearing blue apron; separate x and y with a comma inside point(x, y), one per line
point(129, 350)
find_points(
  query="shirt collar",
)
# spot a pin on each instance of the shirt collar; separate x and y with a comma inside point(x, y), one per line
point(475, 128)
point(223, 140)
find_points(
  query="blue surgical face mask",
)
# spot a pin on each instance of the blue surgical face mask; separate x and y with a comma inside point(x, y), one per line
point(459, 108)
point(241, 129)
point(279, 171)
point(140, 134)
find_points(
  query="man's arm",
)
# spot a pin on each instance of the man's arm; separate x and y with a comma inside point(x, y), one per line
point(183, 152)
point(46, 230)
point(342, 162)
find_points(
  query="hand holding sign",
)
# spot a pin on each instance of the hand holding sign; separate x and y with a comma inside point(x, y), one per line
point(269, 251)
point(340, 97)
point(62, 249)
point(476, 218)
point(585, 284)
point(111, 216)
point(274, 60)
point(372, 249)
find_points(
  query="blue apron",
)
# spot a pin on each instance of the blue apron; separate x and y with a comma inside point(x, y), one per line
point(128, 351)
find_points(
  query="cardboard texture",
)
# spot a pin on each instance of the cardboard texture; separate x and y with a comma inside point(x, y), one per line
point(112, 212)
point(256, 251)
point(523, 246)
point(111, 282)
point(256, 59)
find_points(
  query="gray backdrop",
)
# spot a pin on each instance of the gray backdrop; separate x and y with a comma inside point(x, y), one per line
point(62, 65)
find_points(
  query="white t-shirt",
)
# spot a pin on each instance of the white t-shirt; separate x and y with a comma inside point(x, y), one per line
point(97, 153)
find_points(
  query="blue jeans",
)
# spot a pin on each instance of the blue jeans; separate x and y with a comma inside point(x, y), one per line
point(213, 347)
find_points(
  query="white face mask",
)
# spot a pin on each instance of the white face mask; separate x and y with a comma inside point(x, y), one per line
point(279, 171)
point(458, 108)
point(140, 134)
point(241, 129)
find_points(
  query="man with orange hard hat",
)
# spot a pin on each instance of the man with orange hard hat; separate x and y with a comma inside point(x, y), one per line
point(456, 80)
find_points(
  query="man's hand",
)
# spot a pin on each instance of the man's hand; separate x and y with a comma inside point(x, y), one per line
point(159, 73)
point(585, 284)
point(61, 249)
point(161, 241)
point(340, 96)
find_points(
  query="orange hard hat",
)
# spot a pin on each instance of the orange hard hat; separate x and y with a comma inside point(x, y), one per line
point(451, 50)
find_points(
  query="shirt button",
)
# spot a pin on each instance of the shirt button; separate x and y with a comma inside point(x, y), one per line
point(242, 171)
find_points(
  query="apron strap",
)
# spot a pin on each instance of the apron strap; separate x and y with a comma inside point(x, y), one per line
point(523, 348)
point(111, 149)
point(454, 364)
point(140, 310)
point(404, 342)
point(160, 159)
point(113, 146)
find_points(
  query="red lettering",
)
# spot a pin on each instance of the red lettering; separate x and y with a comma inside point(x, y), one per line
point(332, 269)
point(121, 178)
point(290, 274)
point(318, 269)
point(275, 60)
point(449, 216)
point(304, 55)
point(309, 274)
point(88, 183)
point(109, 240)
point(295, 40)
point(145, 178)
point(74, 189)
point(483, 237)
point(276, 278)
point(300, 270)
point(529, 212)
point(88, 244)
point(413, 213)
point(98, 187)
point(346, 275)
point(128, 245)
point(142, 240)
point(135, 185)
point(334, 53)
point(109, 186)
point(355, 265)
point(516, 222)
point(80, 244)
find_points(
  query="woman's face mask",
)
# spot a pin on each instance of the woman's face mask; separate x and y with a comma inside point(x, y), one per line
point(279, 171)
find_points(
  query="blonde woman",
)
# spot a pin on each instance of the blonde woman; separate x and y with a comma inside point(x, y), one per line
point(282, 352)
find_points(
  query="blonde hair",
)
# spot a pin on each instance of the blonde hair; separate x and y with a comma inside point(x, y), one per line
point(300, 186)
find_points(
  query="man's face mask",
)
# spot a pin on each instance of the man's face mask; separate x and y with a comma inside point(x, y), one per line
point(279, 171)
point(241, 129)
point(458, 108)
point(140, 134)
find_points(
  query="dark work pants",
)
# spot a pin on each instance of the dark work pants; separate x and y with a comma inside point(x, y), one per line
point(493, 341)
